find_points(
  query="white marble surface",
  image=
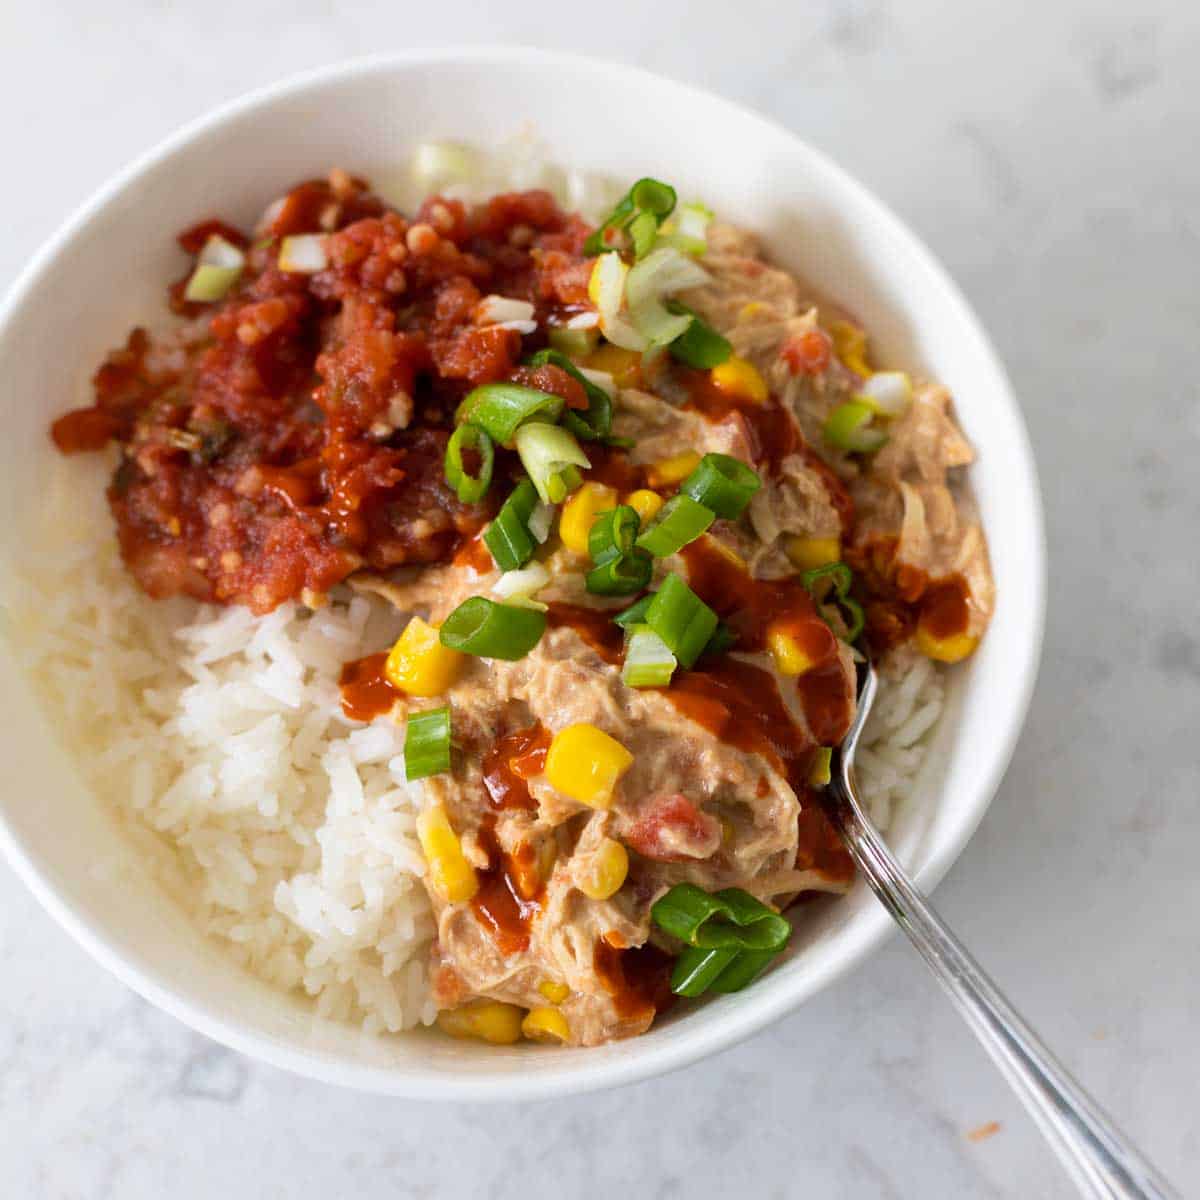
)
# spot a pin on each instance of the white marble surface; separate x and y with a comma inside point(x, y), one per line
point(1049, 160)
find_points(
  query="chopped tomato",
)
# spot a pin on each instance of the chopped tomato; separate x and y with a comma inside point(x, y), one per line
point(807, 353)
point(672, 829)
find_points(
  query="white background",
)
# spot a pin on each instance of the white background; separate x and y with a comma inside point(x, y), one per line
point(1048, 155)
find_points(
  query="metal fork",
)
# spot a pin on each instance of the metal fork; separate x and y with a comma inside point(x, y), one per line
point(1101, 1160)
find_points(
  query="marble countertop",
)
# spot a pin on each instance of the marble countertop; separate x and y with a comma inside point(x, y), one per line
point(1049, 165)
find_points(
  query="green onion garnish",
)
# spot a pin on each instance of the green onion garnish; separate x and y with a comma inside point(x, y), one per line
point(680, 521)
point(635, 614)
point(723, 639)
point(427, 743)
point(489, 630)
point(722, 483)
point(218, 268)
point(579, 342)
point(469, 488)
point(508, 536)
point(499, 408)
point(646, 196)
point(612, 534)
point(835, 577)
point(643, 229)
point(681, 619)
point(848, 428)
point(621, 576)
point(648, 659)
point(729, 937)
point(597, 421)
point(699, 345)
point(552, 457)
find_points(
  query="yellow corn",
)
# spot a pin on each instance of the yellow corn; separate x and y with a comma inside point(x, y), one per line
point(790, 657)
point(950, 649)
point(818, 773)
point(606, 871)
point(579, 514)
point(728, 831)
point(487, 1020)
point(737, 377)
point(644, 502)
point(850, 345)
point(584, 763)
point(554, 990)
point(419, 664)
point(809, 552)
point(673, 470)
point(449, 872)
point(751, 310)
point(625, 366)
point(545, 1025)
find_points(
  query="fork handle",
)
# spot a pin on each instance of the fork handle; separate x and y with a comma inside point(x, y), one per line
point(1101, 1160)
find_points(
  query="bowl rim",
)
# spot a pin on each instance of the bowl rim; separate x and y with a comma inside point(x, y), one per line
point(645, 1059)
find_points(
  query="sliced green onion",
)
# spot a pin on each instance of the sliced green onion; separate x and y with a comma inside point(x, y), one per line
point(520, 587)
point(819, 773)
point(469, 488)
point(499, 408)
point(508, 537)
point(578, 342)
point(648, 659)
point(303, 254)
point(689, 229)
point(722, 483)
point(840, 576)
point(722, 639)
point(744, 970)
point(489, 630)
point(886, 392)
point(427, 743)
point(635, 614)
point(663, 272)
point(681, 619)
point(848, 428)
point(596, 422)
point(612, 534)
point(699, 345)
point(729, 919)
point(621, 576)
point(646, 196)
point(540, 520)
point(552, 457)
point(680, 521)
point(643, 229)
point(218, 267)
point(607, 285)
point(697, 970)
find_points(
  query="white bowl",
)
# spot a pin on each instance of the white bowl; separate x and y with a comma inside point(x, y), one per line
point(105, 271)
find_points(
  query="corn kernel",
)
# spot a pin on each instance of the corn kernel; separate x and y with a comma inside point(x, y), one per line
point(850, 345)
point(579, 514)
point(751, 310)
point(487, 1020)
point(950, 649)
point(545, 1025)
point(625, 366)
point(584, 763)
point(419, 664)
point(807, 553)
point(606, 871)
point(790, 657)
point(554, 990)
point(819, 773)
point(644, 502)
point(673, 470)
point(737, 377)
point(452, 876)
point(728, 831)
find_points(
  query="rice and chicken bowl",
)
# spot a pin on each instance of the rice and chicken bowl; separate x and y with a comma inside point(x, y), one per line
point(487, 596)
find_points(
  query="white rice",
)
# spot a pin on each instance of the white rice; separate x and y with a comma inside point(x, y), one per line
point(286, 829)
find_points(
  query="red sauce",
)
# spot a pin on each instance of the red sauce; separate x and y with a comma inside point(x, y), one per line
point(772, 430)
point(510, 762)
point(366, 692)
point(820, 845)
point(498, 904)
point(594, 626)
point(476, 555)
point(944, 610)
point(638, 980)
